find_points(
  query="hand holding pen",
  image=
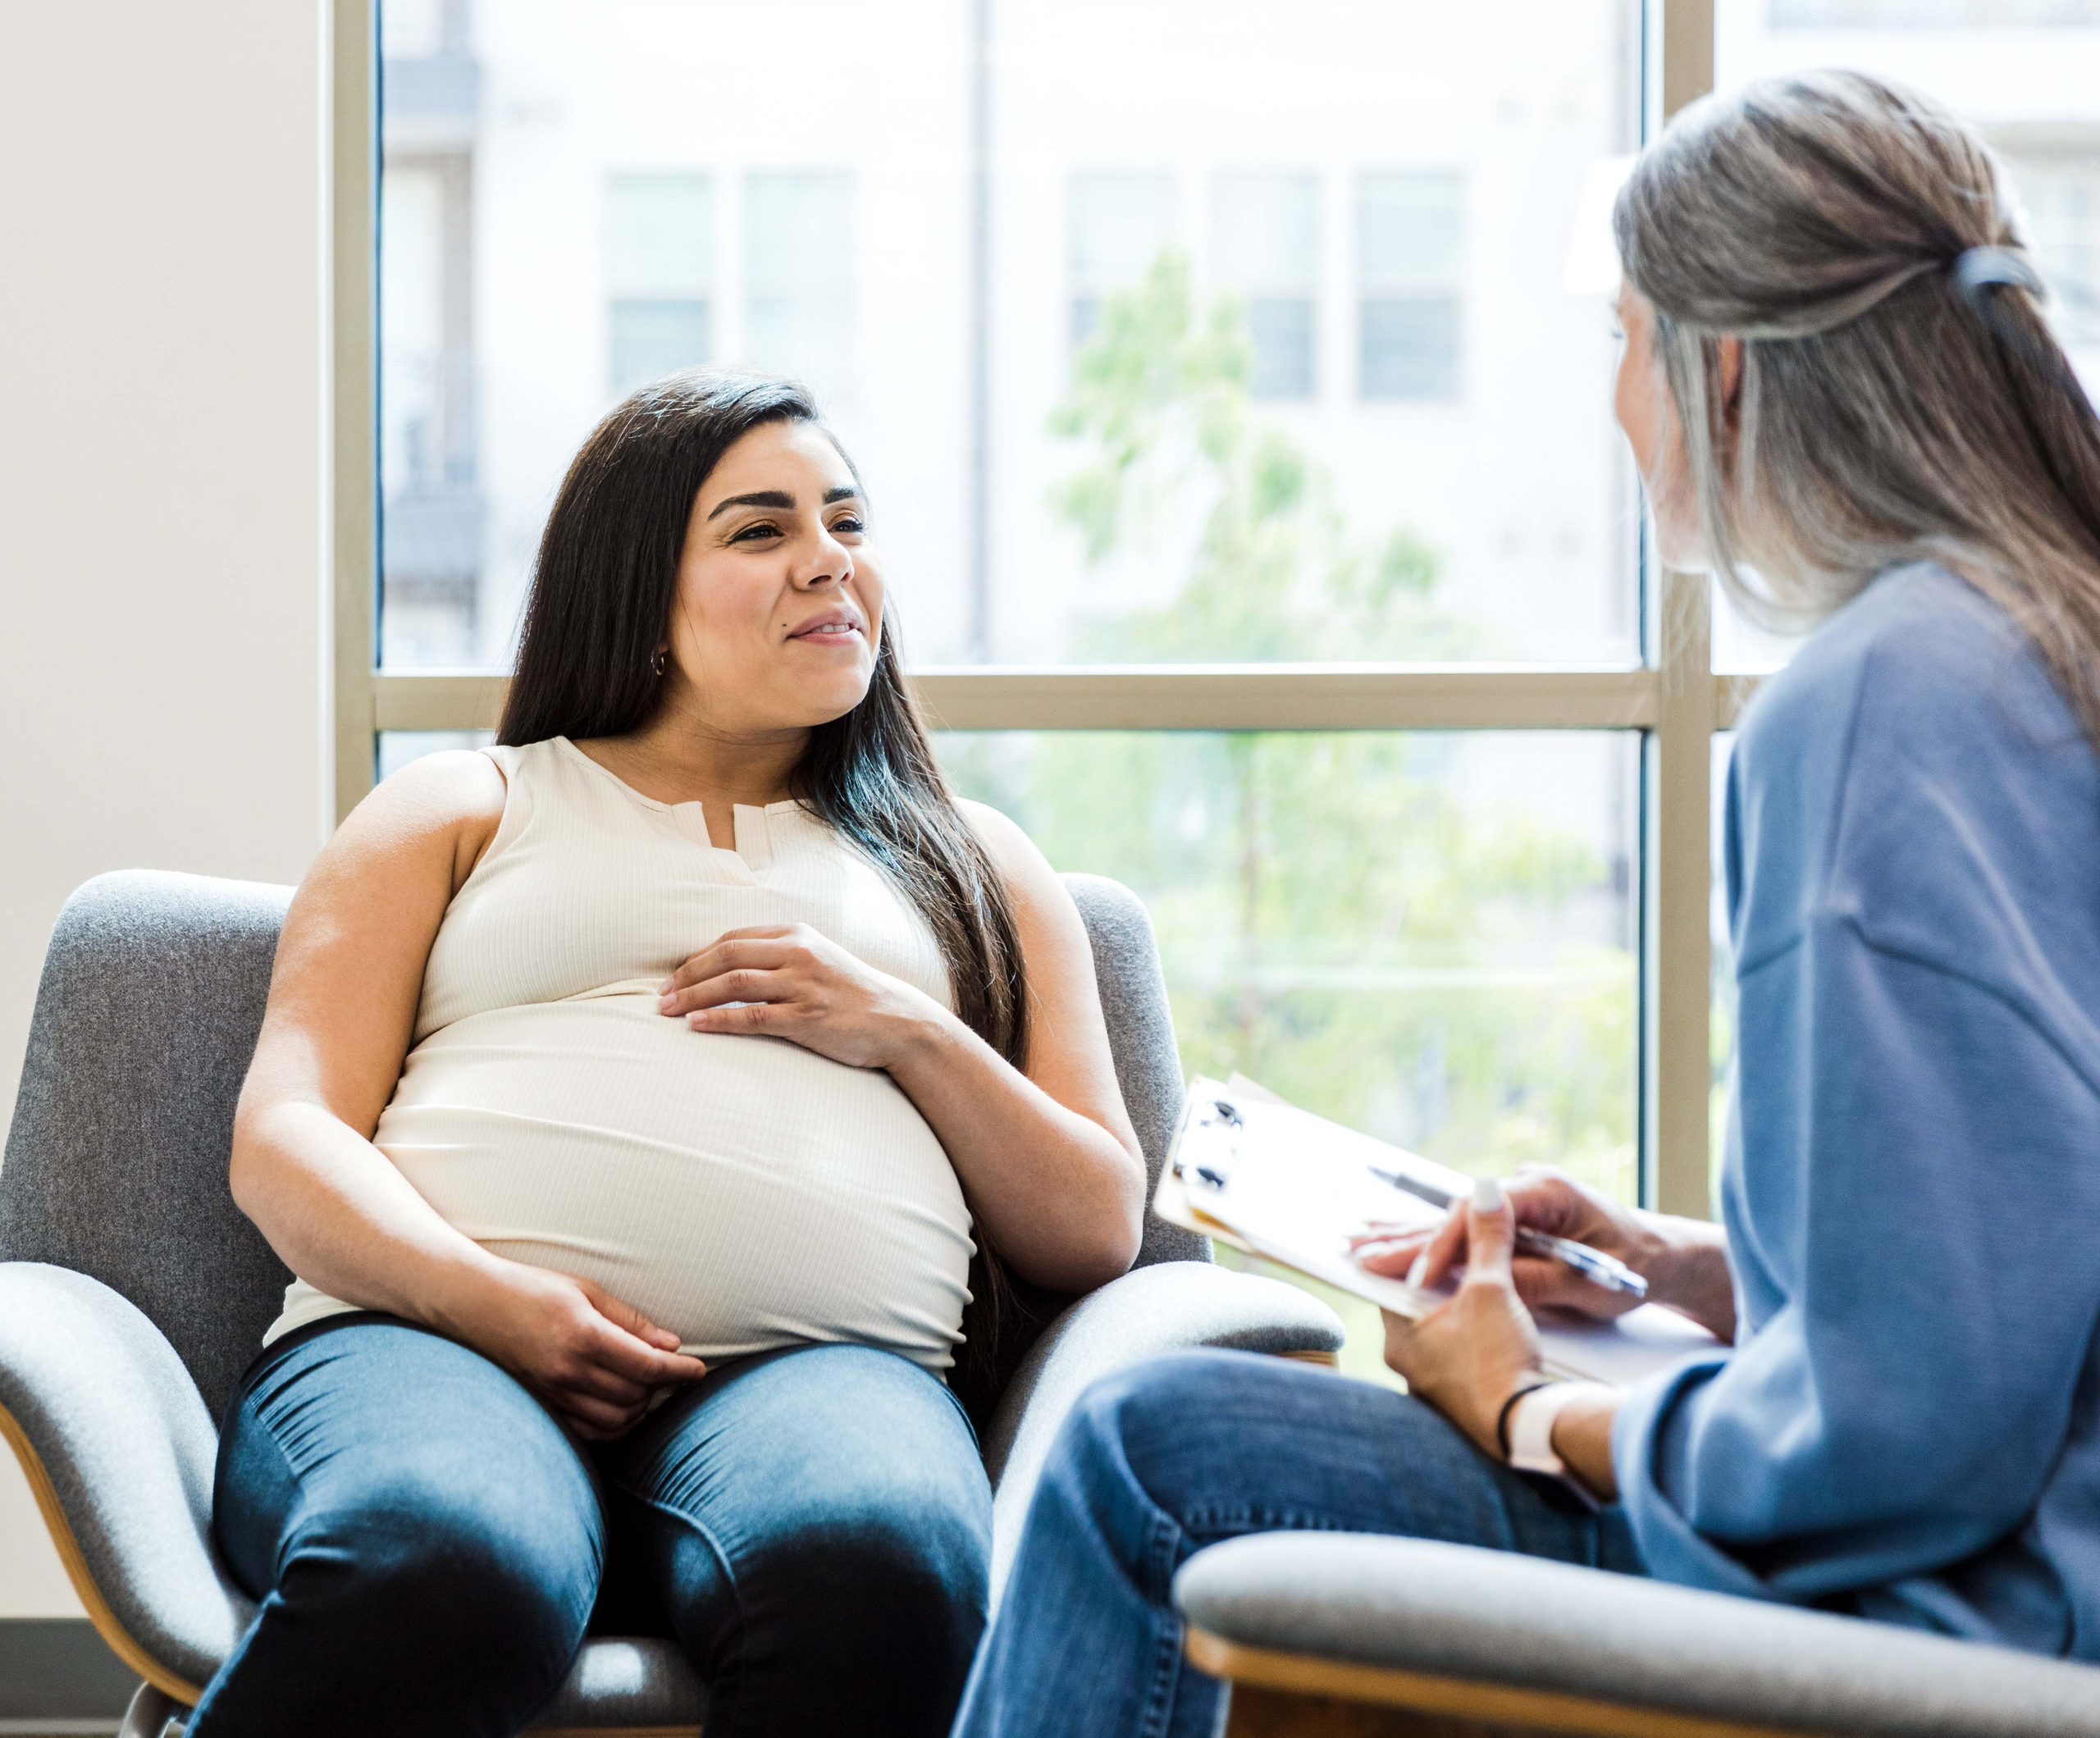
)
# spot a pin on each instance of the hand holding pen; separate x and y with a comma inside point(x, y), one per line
point(1599, 1275)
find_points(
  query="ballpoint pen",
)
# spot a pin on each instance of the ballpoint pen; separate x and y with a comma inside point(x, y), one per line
point(1594, 1265)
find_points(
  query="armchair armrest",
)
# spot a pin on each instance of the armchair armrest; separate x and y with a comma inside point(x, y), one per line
point(119, 1452)
point(1492, 1635)
point(1165, 1307)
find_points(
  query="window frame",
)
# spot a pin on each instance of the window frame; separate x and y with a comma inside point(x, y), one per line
point(1674, 698)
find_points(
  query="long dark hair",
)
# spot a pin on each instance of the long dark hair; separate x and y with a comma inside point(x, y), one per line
point(603, 586)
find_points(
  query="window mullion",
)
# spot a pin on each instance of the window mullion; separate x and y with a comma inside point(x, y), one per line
point(354, 266)
point(1677, 949)
point(1686, 52)
point(1455, 697)
point(1678, 957)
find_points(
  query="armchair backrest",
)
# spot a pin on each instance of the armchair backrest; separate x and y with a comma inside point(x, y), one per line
point(116, 1165)
point(1141, 1040)
point(152, 992)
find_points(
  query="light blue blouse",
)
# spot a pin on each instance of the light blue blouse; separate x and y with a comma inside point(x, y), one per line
point(1909, 1425)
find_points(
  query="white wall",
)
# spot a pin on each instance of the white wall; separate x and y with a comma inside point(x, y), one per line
point(162, 478)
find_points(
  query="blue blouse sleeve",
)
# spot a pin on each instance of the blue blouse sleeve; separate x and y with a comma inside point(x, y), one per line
point(1926, 1181)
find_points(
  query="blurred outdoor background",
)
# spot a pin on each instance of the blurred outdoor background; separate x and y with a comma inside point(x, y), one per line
point(1168, 332)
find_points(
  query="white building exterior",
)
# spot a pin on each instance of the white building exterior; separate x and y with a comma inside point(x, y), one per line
point(791, 184)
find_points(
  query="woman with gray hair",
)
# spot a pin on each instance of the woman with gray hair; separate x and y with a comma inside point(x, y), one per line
point(1844, 400)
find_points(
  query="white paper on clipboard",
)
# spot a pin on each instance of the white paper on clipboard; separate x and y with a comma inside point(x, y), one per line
point(1291, 1188)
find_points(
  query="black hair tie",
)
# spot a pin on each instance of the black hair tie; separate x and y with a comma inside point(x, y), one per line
point(1509, 1406)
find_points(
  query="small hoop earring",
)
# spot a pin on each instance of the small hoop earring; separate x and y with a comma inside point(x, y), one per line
point(656, 664)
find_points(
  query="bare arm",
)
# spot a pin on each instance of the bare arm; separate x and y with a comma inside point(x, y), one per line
point(342, 1006)
point(1046, 1153)
point(342, 1001)
point(1689, 1271)
point(1581, 1436)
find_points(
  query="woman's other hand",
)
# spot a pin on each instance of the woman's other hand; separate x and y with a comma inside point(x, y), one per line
point(1542, 1200)
point(592, 1358)
point(1684, 1260)
point(1471, 1353)
point(794, 982)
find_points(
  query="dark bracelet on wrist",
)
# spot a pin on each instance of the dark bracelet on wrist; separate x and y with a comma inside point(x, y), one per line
point(1502, 1417)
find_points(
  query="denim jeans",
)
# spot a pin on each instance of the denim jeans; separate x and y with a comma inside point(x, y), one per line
point(1183, 1451)
point(428, 1545)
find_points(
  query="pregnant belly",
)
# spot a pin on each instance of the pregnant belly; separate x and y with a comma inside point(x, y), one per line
point(743, 1192)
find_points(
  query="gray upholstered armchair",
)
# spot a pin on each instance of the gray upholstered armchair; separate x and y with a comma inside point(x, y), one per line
point(133, 1292)
point(1347, 1634)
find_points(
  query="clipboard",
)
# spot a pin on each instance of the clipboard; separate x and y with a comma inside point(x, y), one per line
point(1252, 1171)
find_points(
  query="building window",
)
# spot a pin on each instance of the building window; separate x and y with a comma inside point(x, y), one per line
point(1118, 223)
point(1265, 250)
point(1410, 259)
point(659, 268)
point(798, 277)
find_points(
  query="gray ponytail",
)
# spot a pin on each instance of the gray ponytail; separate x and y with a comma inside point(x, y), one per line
point(1901, 397)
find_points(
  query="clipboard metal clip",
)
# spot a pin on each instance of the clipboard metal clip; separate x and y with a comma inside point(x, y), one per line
point(1215, 1113)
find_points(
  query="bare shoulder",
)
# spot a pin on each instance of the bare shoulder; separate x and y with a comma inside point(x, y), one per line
point(1017, 856)
point(450, 803)
point(351, 956)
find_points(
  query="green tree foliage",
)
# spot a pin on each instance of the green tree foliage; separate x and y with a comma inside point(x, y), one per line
point(1340, 916)
point(1159, 405)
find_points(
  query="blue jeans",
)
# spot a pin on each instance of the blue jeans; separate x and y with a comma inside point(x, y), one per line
point(1178, 1453)
point(428, 1545)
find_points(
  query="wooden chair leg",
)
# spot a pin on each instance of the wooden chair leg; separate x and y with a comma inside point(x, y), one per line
point(1257, 1713)
point(150, 1713)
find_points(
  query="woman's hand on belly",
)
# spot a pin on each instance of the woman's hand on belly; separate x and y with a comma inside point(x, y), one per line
point(794, 982)
point(592, 1359)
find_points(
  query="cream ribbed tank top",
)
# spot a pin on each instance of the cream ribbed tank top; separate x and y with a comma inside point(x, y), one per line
point(744, 1192)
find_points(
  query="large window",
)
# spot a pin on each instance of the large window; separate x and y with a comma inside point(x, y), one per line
point(1270, 302)
point(1240, 451)
point(1234, 405)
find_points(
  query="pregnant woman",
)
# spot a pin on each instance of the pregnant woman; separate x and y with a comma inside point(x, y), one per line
point(631, 1100)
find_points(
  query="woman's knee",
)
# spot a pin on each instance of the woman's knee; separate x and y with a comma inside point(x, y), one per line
point(1187, 1431)
point(928, 1536)
point(490, 1576)
point(879, 1495)
point(1170, 1385)
point(822, 1521)
point(903, 1551)
point(1120, 1422)
point(866, 1611)
point(1110, 1471)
